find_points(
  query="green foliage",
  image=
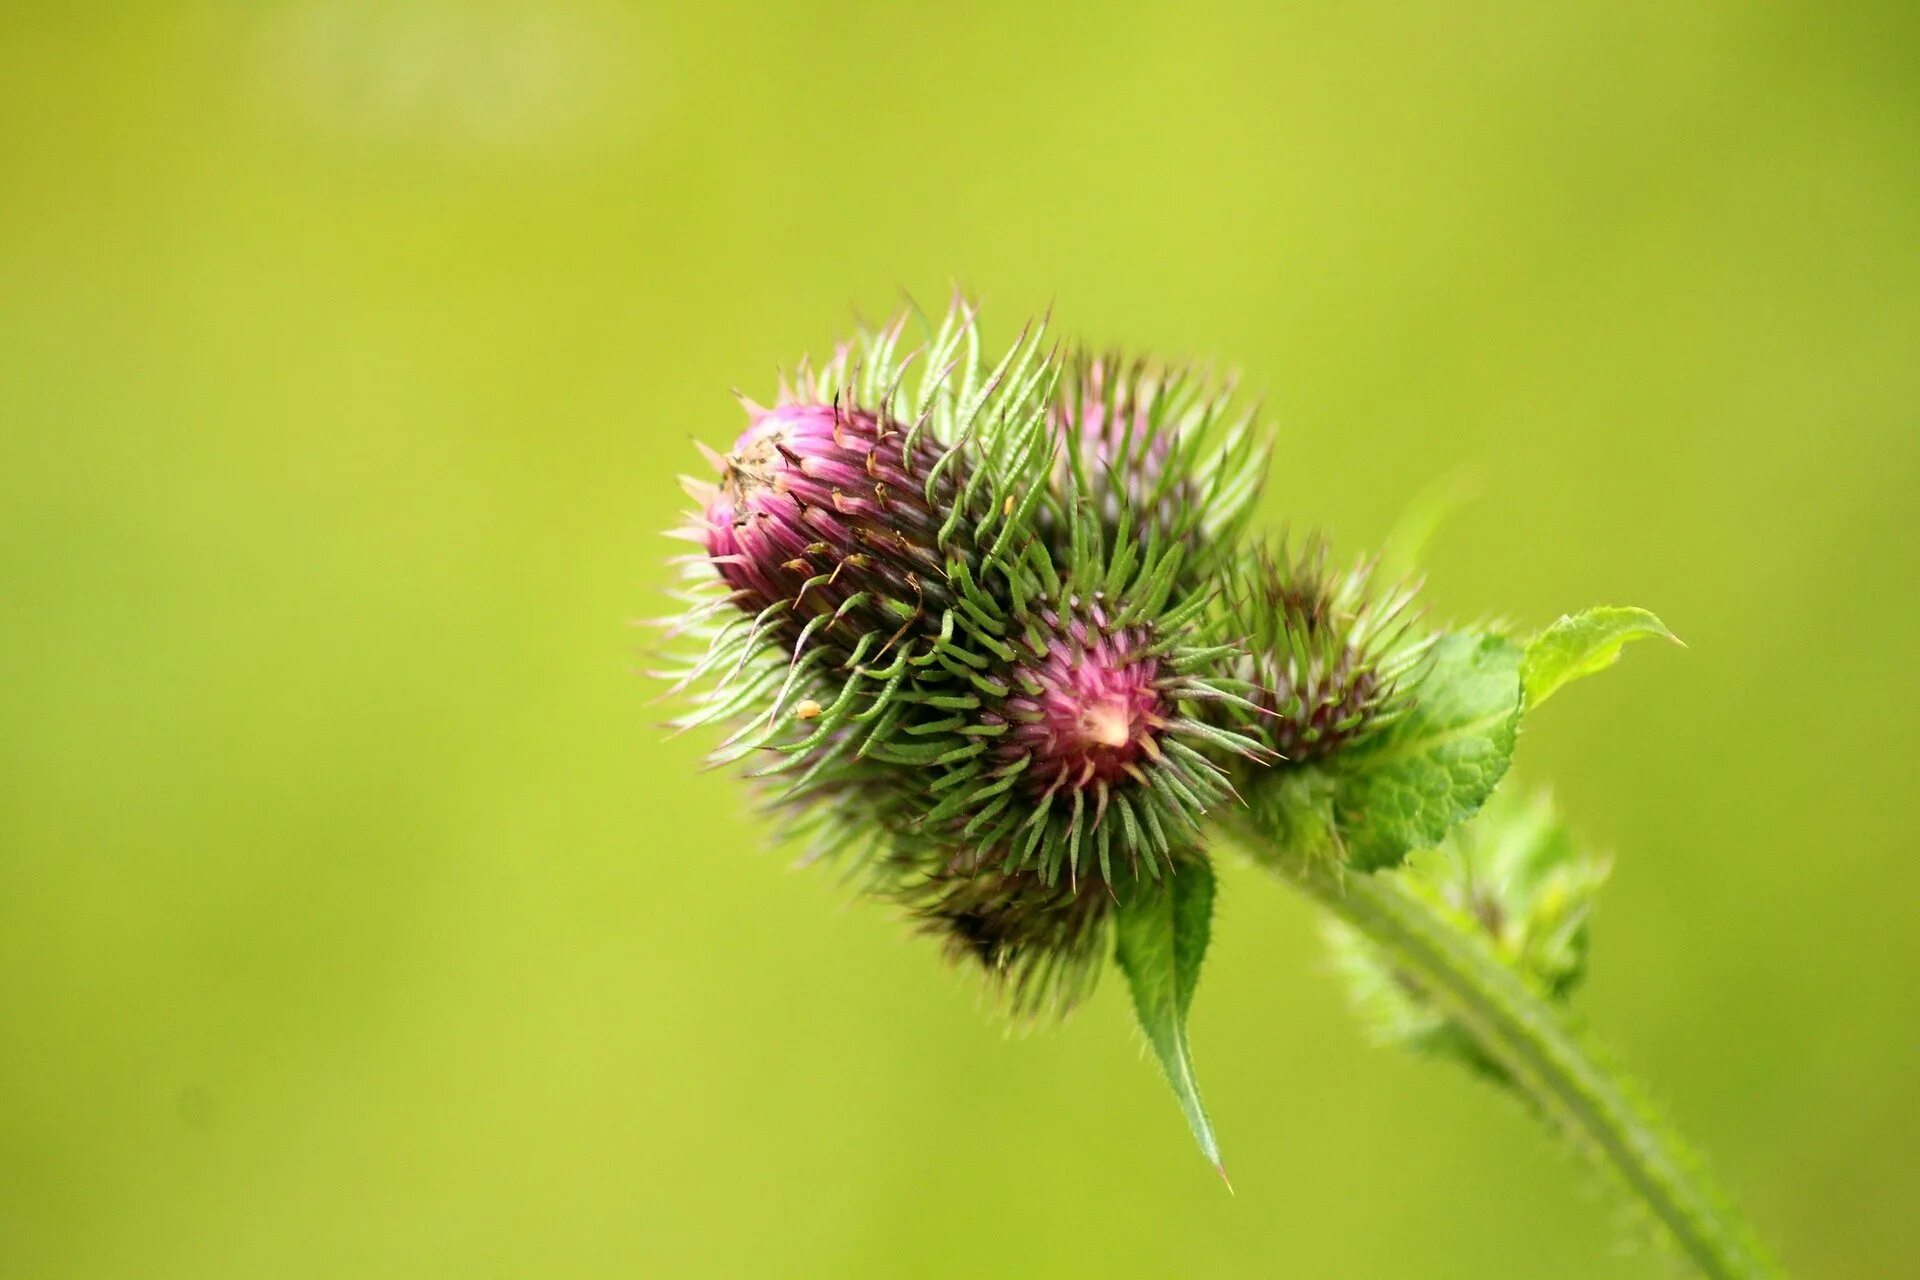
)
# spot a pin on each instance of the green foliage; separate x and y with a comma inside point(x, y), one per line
point(1582, 644)
point(1161, 941)
point(1515, 877)
point(1432, 769)
point(1405, 787)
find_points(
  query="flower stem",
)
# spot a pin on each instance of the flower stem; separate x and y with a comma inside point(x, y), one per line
point(1571, 1082)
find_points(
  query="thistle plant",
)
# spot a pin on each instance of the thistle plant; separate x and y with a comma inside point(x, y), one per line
point(995, 636)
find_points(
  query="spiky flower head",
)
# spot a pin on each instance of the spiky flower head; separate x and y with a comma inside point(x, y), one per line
point(1152, 448)
point(1328, 653)
point(1088, 710)
point(1100, 764)
point(823, 511)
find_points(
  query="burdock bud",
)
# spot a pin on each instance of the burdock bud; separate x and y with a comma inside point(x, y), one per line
point(1115, 447)
point(1089, 709)
point(821, 515)
point(1327, 655)
point(1040, 944)
point(1098, 765)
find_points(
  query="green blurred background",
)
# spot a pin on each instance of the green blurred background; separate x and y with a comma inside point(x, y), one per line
point(357, 920)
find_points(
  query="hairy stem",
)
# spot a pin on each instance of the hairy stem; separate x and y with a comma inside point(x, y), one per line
point(1571, 1082)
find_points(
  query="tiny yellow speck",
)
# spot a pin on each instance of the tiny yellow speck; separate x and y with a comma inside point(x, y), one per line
point(807, 709)
point(1006, 508)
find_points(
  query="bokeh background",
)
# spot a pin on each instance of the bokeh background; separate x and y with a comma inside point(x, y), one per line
point(357, 920)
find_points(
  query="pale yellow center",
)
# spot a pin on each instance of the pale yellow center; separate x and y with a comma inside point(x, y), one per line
point(1107, 723)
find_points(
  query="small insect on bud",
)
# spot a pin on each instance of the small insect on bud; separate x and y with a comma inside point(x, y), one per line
point(807, 709)
point(821, 517)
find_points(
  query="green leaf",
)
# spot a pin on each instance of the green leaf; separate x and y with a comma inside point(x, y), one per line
point(1583, 643)
point(1162, 938)
point(1297, 807)
point(1432, 769)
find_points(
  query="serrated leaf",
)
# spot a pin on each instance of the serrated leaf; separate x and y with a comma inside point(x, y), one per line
point(1161, 941)
point(1406, 788)
point(1583, 643)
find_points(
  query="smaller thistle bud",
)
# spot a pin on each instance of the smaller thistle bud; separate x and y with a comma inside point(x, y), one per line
point(1327, 656)
point(1040, 945)
point(1149, 448)
point(821, 513)
point(1106, 420)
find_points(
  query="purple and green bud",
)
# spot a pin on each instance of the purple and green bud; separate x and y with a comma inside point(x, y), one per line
point(1101, 763)
point(1328, 655)
point(1150, 449)
point(821, 513)
point(1088, 711)
point(1110, 441)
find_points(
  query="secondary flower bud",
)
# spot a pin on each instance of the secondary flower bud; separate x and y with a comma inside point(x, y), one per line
point(821, 512)
point(1117, 441)
point(1326, 655)
point(1097, 763)
point(1040, 944)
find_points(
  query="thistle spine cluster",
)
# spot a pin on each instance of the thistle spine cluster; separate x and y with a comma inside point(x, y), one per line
point(971, 627)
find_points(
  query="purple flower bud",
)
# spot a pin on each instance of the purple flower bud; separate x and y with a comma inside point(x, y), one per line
point(1108, 422)
point(821, 509)
point(1328, 654)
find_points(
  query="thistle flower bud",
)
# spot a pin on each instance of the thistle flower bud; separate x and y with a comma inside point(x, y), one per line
point(851, 557)
point(1098, 764)
point(1088, 709)
point(1040, 944)
point(1105, 418)
point(822, 513)
point(1153, 449)
point(1327, 655)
